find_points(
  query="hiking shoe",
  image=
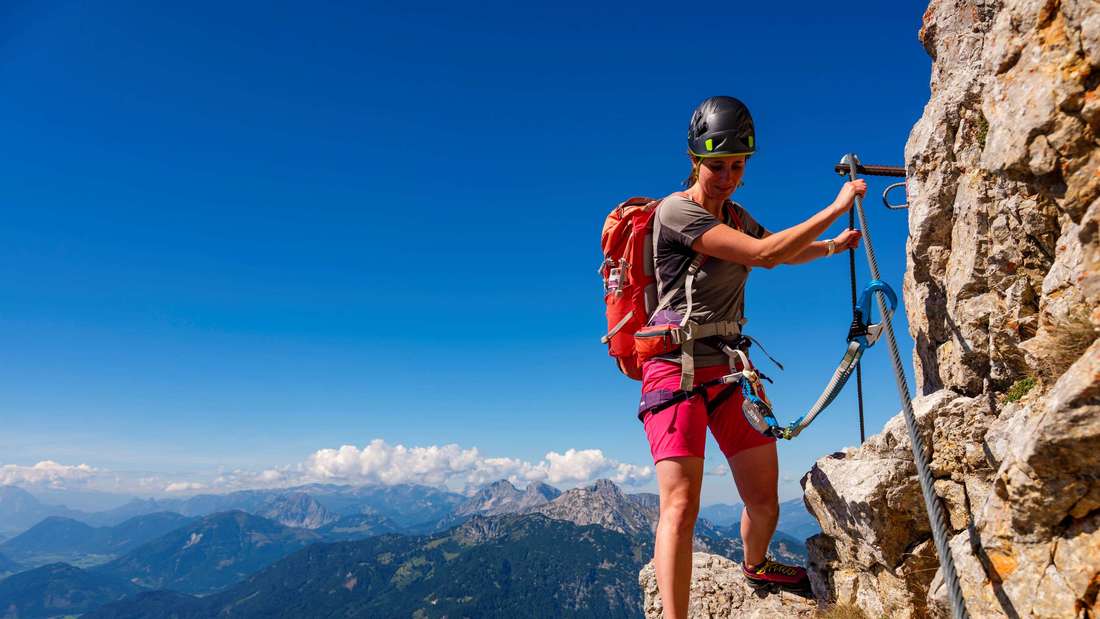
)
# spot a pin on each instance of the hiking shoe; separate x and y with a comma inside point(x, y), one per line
point(773, 573)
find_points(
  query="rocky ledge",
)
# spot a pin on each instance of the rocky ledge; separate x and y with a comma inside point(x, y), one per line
point(719, 591)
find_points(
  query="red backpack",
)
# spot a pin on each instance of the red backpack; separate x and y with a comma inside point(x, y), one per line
point(630, 288)
point(628, 279)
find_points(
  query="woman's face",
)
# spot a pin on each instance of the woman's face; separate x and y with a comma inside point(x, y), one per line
point(719, 177)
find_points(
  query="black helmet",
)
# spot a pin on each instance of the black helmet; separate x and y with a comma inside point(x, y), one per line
point(721, 126)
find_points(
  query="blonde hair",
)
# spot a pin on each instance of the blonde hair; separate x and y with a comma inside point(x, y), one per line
point(694, 176)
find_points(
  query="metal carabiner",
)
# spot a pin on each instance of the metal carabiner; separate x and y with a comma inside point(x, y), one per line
point(874, 330)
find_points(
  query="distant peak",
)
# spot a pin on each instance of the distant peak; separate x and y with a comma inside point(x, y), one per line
point(605, 485)
point(542, 489)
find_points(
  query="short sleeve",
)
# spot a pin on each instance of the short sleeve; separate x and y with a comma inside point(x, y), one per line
point(752, 227)
point(684, 221)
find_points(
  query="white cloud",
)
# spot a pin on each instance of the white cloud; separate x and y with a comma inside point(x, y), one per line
point(380, 462)
point(719, 470)
point(580, 466)
point(184, 486)
point(46, 473)
point(269, 478)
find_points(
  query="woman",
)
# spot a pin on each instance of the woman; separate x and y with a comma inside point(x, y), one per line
point(703, 221)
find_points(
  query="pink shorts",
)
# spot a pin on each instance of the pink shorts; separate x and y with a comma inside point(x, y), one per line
point(681, 430)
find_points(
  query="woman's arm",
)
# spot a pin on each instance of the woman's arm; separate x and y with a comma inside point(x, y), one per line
point(725, 243)
point(849, 239)
point(813, 251)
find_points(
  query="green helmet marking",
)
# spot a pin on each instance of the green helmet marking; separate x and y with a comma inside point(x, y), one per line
point(709, 144)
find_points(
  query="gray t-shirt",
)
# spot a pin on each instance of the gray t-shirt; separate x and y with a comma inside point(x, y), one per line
point(719, 289)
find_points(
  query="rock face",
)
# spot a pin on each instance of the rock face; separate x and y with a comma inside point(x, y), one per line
point(298, 509)
point(496, 498)
point(718, 590)
point(604, 504)
point(1002, 292)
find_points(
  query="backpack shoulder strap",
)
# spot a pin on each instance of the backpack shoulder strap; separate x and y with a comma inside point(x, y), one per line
point(687, 277)
point(733, 209)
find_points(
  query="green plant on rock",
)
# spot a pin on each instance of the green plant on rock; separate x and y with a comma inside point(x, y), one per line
point(983, 129)
point(842, 611)
point(1020, 389)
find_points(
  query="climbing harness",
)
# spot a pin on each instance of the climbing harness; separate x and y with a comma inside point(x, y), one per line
point(862, 334)
point(743, 376)
point(850, 166)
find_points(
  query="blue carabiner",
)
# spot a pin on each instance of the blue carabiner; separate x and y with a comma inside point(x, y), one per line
point(871, 331)
point(757, 411)
point(876, 285)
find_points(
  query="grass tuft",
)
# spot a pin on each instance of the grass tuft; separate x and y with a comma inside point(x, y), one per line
point(983, 130)
point(1067, 343)
point(1020, 389)
point(842, 611)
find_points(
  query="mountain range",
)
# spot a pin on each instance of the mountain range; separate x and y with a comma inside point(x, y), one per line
point(529, 565)
point(210, 554)
point(9, 567)
point(57, 590)
point(60, 539)
point(432, 538)
point(20, 510)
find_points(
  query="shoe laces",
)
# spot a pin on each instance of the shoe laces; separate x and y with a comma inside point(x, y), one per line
point(772, 567)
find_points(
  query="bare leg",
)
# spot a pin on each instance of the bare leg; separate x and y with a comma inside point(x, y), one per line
point(756, 473)
point(679, 480)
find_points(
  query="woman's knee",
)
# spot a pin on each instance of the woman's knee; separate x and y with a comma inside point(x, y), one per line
point(680, 481)
point(762, 505)
point(680, 512)
point(760, 498)
point(756, 473)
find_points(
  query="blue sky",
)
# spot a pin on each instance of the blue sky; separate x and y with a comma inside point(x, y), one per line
point(237, 234)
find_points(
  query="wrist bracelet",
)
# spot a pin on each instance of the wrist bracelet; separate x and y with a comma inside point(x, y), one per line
point(830, 247)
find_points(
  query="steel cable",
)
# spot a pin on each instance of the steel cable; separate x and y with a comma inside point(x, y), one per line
point(855, 304)
point(932, 505)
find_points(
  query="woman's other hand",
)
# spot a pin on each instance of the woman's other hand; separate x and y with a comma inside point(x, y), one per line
point(849, 239)
point(848, 194)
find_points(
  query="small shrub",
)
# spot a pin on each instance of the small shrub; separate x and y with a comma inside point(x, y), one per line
point(842, 611)
point(1020, 389)
point(983, 130)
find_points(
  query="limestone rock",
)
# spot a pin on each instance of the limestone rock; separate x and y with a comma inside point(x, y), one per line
point(1002, 285)
point(875, 549)
point(719, 591)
